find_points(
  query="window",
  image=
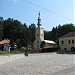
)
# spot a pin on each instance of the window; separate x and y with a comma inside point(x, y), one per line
point(37, 45)
point(37, 34)
point(62, 42)
point(41, 34)
point(37, 41)
point(69, 42)
point(65, 49)
point(72, 41)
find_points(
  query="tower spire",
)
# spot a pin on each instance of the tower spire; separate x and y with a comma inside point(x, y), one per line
point(39, 20)
point(39, 14)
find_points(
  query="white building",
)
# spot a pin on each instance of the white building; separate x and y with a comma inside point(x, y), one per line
point(67, 41)
point(40, 35)
point(4, 45)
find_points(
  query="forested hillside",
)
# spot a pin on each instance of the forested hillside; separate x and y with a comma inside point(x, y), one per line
point(23, 34)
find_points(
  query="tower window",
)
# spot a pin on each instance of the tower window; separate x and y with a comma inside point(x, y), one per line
point(37, 41)
point(37, 45)
point(37, 34)
point(62, 42)
point(41, 34)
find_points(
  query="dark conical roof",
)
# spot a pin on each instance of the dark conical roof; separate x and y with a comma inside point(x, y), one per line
point(39, 20)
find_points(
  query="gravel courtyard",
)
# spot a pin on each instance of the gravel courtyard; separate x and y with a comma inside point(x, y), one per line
point(38, 64)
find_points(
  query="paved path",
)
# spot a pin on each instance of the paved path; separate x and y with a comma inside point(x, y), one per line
point(8, 58)
point(69, 71)
point(40, 64)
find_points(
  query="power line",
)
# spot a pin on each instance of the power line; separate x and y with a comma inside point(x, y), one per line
point(47, 10)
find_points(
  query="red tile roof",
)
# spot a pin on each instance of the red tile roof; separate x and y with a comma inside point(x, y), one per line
point(4, 41)
point(50, 46)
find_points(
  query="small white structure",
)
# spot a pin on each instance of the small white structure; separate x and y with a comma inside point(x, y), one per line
point(4, 45)
point(67, 41)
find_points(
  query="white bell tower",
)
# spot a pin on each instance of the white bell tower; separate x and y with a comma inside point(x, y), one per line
point(39, 34)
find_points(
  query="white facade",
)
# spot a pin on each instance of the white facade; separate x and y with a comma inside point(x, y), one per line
point(6, 47)
point(67, 43)
point(39, 33)
point(39, 37)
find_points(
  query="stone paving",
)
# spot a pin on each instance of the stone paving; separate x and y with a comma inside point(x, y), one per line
point(36, 64)
point(8, 58)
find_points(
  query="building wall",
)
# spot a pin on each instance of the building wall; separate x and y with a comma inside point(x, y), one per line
point(67, 43)
point(39, 33)
point(6, 47)
point(39, 37)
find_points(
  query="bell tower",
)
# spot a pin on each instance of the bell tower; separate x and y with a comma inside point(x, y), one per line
point(39, 34)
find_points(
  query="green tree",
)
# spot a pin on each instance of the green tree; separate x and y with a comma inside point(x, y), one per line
point(58, 31)
point(32, 28)
point(42, 44)
point(22, 35)
point(1, 28)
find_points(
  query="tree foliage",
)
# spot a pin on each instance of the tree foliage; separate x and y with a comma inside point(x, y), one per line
point(1, 28)
point(42, 44)
point(59, 31)
point(24, 35)
point(17, 32)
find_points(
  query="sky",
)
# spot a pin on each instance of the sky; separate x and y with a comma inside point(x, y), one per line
point(53, 12)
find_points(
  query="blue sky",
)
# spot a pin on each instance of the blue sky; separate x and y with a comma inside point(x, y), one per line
point(53, 12)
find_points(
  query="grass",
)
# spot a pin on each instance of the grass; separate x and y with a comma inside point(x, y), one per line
point(13, 52)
